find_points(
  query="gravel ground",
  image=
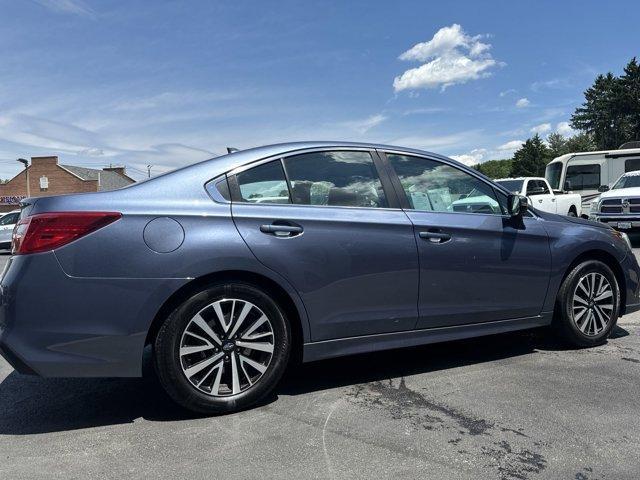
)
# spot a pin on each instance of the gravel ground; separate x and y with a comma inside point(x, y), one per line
point(516, 406)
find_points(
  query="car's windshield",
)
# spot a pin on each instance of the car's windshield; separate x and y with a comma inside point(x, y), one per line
point(552, 174)
point(627, 182)
point(514, 186)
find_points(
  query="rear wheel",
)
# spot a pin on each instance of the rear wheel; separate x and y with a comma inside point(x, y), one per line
point(588, 304)
point(223, 349)
point(572, 212)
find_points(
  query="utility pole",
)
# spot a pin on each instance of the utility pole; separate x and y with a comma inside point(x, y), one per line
point(149, 171)
point(26, 173)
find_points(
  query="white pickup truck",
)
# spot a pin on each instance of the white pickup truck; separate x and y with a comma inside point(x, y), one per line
point(541, 197)
point(618, 206)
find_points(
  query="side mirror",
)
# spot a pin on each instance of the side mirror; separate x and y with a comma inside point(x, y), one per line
point(567, 185)
point(603, 188)
point(517, 205)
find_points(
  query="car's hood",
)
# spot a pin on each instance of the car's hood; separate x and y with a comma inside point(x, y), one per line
point(622, 192)
point(562, 218)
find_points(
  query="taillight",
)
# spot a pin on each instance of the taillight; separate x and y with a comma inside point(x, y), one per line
point(47, 231)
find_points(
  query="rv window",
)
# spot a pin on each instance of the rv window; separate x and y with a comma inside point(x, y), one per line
point(553, 173)
point(632, 165)
point(583, 177)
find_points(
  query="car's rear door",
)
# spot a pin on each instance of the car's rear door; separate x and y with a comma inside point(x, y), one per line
point(329, 223)
point(476, 264)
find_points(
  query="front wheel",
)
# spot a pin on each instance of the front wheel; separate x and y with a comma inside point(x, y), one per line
point(223, 349)
point(588, 304)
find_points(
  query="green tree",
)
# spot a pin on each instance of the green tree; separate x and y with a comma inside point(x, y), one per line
point(531, 159)
point(582, 142)
point(610, 113)
point(557, 145)
point(630, 84)
point(495, 168)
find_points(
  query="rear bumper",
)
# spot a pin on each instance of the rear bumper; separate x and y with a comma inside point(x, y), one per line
point(54, 325)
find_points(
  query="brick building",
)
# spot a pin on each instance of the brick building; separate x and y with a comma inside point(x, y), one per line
point(47, 177)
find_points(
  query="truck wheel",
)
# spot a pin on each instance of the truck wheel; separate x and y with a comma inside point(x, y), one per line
point(572, 212)
point(587, 305)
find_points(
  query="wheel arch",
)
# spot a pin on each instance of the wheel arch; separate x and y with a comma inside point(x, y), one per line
point(610, 261)
point(283, 297)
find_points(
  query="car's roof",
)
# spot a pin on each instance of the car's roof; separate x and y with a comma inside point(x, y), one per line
point(225, 163)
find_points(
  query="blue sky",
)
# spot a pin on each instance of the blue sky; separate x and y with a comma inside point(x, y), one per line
point(171, 83)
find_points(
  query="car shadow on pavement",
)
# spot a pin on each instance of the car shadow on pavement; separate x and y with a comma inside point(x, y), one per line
point(33, 405)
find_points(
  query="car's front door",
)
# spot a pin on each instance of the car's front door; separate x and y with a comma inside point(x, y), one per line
point(323, 221)
point(541, 197)
point(476, 264)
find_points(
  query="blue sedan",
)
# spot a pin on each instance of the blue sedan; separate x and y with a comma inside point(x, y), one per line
point(228, 269)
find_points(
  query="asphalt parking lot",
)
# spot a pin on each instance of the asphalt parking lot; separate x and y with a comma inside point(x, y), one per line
point(516, 406)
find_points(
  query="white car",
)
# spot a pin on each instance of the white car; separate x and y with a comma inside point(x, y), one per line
point(619, 206)
point(7, 222)
point(542, 197)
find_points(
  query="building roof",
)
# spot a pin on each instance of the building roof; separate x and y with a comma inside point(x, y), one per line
point(108, 179)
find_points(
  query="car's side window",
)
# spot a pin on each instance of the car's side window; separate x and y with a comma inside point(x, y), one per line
point(537, 187)
point(265, 183)
point(543, 186)
point(9, 219)
point(433, 186)
point(339, 178)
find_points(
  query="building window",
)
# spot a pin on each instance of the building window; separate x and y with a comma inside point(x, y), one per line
point(44, 183)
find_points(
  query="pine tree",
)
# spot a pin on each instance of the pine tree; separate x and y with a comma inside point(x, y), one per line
point(603, 113)
point(531, 159)
point(630, 83)
point(557, 145)
point(582, 142)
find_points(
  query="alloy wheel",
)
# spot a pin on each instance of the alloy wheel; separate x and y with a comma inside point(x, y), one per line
point(592, 303)
point(226, 347)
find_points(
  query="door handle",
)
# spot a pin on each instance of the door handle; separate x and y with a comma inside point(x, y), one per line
point(539, 200)
point(281, 230)
point(435, 237)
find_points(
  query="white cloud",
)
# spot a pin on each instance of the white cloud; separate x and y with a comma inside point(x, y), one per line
point(512, 145)
point(508, 92)
point(422, 111)
point(366, 124)
point(474, 157)
point(523, 102)
point(563, 128)
point(554, 83)
point(450, 57)
point(76, 7)
point(541, 129)
point(92, 152)
point(437, 142)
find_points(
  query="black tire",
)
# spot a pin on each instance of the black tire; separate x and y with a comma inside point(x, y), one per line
point(564, 322)
point(169, 365)
point(572, 212)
